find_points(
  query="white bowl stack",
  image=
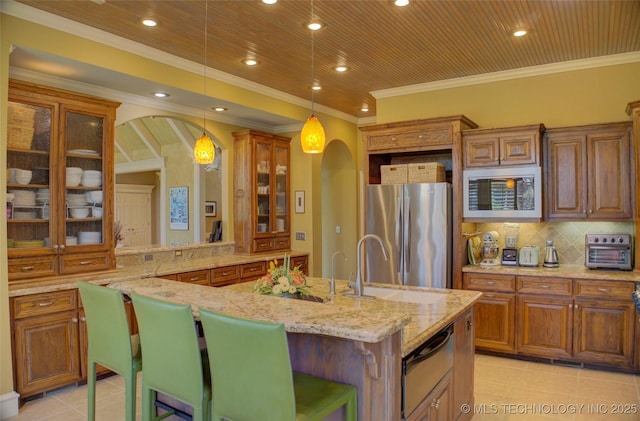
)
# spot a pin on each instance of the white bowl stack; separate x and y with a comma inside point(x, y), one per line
point(94, 196)
point(79, 212)
point(23, 197)
point(71, 240)
point(76, 199)
point(89, 237)
point(74, 175)
point(91, 178)
point(23, 176)
point(96, 212)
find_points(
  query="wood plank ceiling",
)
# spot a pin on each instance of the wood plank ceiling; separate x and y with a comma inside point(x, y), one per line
point(383, 46)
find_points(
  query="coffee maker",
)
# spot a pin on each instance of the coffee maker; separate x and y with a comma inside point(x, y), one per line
point(490, 249)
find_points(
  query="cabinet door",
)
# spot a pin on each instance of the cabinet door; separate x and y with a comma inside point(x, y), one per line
point(84, 349)
point(545, 326)
point(46, 352)
point(264, 210)
point(566, 185)
point(463, 363)
point(603, 332)
point(482, 152)
point(518, 150)
point(495, 322)
point(281, 196)
point(436, 406)
point(609, 180)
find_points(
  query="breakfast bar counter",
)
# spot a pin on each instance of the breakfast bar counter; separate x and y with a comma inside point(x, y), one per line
point(360, 341)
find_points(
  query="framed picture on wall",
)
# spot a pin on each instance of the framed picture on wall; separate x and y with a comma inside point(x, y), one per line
point(179, 208)
point(210, 209)
point(299, 201)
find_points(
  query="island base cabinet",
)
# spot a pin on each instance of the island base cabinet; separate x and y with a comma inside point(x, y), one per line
point(437, 406)
point(463, 367)
point(603, 332)
point(46, 352)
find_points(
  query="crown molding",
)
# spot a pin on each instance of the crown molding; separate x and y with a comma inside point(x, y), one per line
point(11, 7)
point(545, 69)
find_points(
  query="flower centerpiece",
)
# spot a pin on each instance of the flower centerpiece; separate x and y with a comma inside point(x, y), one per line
point(282, 280)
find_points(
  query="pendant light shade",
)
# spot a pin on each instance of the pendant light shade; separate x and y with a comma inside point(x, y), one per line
point(312, 136)
point(204, 152)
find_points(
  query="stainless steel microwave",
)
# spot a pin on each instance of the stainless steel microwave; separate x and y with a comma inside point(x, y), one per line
point(502, 193)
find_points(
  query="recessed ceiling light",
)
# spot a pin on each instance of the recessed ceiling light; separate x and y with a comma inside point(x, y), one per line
point(519, 33)
point(149, 22)
point(365, 107)
point(315, 24)
point(160, 94)
point(219, 109)
point(401, 3)
point(269, 1)
point(250, 61)
point(341, 69)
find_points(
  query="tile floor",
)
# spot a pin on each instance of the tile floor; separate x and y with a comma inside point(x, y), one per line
point(505, 390)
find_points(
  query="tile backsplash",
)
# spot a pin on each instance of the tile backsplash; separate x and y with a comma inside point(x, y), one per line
point(568, 237)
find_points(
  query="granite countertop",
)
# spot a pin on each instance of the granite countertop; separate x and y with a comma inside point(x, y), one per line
point(146, 270)
point(366, 320)
point(564, 271)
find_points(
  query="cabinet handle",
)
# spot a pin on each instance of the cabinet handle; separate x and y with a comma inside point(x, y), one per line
point(489, 295)
point(27, 268)
point(544, 286)
point(604, 289)
point(226, 273)
point(491, 282)
point(85, 262)
point(195, 278)
point(435, 404)
point(252, 270)
point(74, 320)
point(394, 138)
point(45, 304)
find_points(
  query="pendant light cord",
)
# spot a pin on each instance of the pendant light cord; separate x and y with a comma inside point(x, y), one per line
point(313, 76)
point(204, 88)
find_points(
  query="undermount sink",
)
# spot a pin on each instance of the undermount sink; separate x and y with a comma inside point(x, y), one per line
point(405, 296)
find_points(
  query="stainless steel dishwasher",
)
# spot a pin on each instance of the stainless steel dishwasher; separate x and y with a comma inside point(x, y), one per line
point(424, 367)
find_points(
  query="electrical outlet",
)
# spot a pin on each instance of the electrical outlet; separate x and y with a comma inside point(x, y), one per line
point(178, 253)
point(301, 235)
point(148, 257)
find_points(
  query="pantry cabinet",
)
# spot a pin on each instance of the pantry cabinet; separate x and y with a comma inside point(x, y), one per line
point(588, 172)
point(261, 192)
point(60, 182)
point(502, 147)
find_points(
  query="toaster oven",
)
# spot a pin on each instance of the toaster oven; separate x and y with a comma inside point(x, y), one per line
point(609, 251)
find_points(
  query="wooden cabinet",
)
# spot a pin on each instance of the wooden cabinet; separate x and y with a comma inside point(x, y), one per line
point(45, 341)
point(502, 147)
point(463, 364)
point(583, 320)
point(261, 192)
point(437, 406)
point(253, 271)
point(200, 277)
point(494, 319)
point(226, 275)
point(587, 172)
point(60, 165)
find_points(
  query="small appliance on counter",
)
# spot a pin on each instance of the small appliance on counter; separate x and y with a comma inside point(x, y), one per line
point(529, 256)
point(550, 256)
point(510, 252)
point(608, 251)
point(490, 249)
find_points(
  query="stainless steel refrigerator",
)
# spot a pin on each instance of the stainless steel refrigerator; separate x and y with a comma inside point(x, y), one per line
point(414, 222)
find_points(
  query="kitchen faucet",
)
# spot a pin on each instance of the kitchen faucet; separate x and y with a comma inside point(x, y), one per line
point(332, 281)
point(357, 285)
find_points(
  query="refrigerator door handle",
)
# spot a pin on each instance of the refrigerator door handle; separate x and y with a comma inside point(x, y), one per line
point(406, 237)
point(398, 244)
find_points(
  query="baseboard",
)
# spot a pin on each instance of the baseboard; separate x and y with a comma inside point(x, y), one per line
point(9, 405)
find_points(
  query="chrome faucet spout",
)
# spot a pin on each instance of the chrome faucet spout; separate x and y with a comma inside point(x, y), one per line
point(332, 281)
point(357, 285)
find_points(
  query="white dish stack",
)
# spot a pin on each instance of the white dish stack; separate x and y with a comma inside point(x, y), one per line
point(89, 237)
point(91, 178)
point(74, 175)
point(23, 198)
point(42, 196)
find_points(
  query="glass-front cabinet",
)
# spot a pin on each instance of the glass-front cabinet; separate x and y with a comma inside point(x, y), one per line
point(59, 182)
point(261, 186)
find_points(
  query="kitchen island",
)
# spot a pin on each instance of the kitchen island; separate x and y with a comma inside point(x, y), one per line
point(358, 341)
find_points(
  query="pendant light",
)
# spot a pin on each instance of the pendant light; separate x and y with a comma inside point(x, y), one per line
point(312, 134)
point(204, 152)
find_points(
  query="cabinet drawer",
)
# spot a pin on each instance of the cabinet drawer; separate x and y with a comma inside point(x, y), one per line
point(604, 289)
point(253, 270)
point(30, 267)
point(89, 262)
point(225, 275)
point(483, 282)
point(282, 243)
point(200, 277)
point(546, 286)
point(422, 139)
point(262, 244)
point(301, 262)
point(37, 304)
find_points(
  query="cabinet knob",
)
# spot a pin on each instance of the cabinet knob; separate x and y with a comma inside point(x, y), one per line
point(62, 247)
point(435, 404)
point(74, 320)
point(83, 319)
point(55, 247)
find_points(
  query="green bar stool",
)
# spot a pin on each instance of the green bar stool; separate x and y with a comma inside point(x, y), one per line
point(109, 343)
point(251, 371)
point(173, 362)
